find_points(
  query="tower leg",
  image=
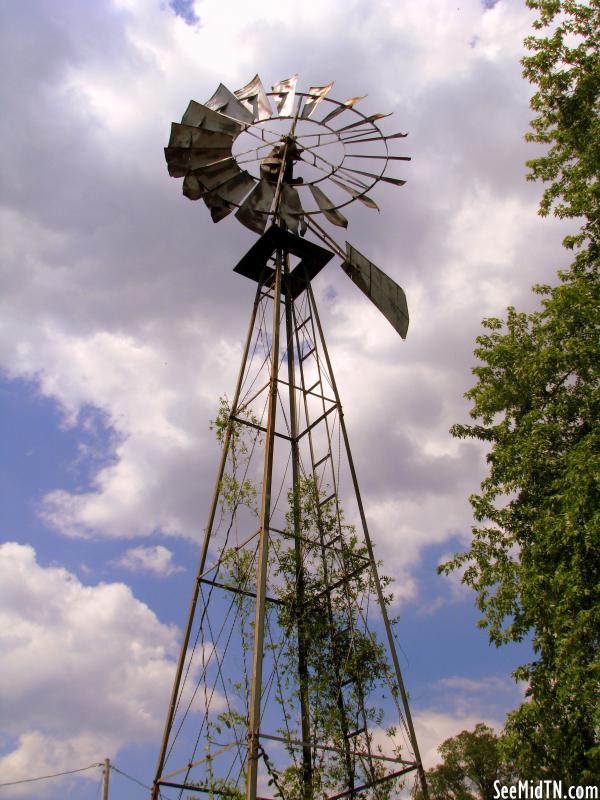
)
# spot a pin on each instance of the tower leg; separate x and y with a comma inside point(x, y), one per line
point(379, 590)
point(307, 789)
point(282, 648)
point(263, 548)
point(202, 560)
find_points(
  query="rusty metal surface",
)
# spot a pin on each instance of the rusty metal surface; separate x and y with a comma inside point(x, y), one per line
point(214, 175)
point(316, 95)
point(200, 116)
point(328, 207)
point(192, 188)
point(190, 136)
point(285, 94)
point(222, 186)
point(253, 97)
point(225, 102)
point(181, 160)
point(254, 210)
point(219, 208)
point(383, 292)
point(236, 189)
point(290, 209)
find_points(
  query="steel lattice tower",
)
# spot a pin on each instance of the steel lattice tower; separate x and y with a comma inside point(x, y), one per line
point(288, 682)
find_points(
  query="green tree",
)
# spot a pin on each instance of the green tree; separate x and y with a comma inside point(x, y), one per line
point(471, 763)
point(535, 554)
point(565, 67)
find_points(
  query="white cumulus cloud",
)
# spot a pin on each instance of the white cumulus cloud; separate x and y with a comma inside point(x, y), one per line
point(86, 670)
point(157, 560)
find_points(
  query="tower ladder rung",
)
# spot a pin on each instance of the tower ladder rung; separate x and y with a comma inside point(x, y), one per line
point(326, 500)
point(357, 732)
point(303, 323)
point(321, 460)
point(343, 580)
point(304, 356)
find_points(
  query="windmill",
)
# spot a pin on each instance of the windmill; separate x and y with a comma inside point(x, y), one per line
point(288, 682)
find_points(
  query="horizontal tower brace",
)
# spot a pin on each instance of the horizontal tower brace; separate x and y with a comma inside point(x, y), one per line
point(218, 585)
point(342, 581)
point(366, 786)
point(319, 545)
point(330, 748)
point(319, 419)
point(258, 427)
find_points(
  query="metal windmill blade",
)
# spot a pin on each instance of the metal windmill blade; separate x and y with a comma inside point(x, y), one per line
point(200, 151)
point(285, 95)
point(315, 95)
point(382, 291)
point(277, 172)
point(254, 98)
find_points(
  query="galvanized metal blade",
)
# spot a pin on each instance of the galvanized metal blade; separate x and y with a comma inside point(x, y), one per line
point(327, 207)
point(381, 290)
point(394, 181)
point(353, 179)
point(253, 97)
point(213, 175)
point(365, 121)
point(190, 136)
point(357, 195)
point(181, 160)
point(375, 137)
point(317, 93)
point(236, 189)
point(254, 211)
point(340, 109)
point(383, 157)
point(286, 94)
point(219, 208)
point(221, 189)
point(200, 116)
point(192, 188)
point(225, 102)
point(290, 209)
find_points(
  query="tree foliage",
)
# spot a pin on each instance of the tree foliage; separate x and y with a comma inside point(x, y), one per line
point(565, 67)
point(471, 763)
point(535, 554)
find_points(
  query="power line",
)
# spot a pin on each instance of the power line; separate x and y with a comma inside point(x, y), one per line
point(131, 778)
point(135, 780)
point(55, 775)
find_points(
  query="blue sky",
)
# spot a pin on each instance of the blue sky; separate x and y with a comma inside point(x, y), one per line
point(122, 324)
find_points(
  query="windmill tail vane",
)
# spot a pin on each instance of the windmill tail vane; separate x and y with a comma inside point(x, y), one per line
point(288, 683)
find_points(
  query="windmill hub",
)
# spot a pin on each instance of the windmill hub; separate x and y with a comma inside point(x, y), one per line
point(341, 161)
point(286, 153)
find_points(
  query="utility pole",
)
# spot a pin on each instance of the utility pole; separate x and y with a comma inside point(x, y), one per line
point(105, 778)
